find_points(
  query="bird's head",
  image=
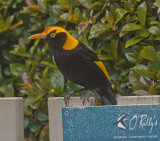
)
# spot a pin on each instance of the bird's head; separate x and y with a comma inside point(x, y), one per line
point(57, 37)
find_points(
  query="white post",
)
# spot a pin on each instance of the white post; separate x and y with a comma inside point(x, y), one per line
point(11, 119)
point(55, 105)
point(135, 100)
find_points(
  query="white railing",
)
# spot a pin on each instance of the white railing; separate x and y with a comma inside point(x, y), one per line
point(11, 119)
point(12, 115)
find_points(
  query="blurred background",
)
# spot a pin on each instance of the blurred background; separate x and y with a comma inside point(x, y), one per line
point(124, 34)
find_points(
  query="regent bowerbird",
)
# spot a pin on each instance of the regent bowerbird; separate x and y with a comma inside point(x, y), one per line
point(78, 63)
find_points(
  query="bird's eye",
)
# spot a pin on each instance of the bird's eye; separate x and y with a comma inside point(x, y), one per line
point(52, 35)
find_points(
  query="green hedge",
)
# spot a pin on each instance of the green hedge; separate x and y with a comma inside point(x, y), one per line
point(124, 34)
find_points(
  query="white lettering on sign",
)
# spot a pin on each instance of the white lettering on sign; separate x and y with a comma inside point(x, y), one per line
point(133, 122)
point(142, 121)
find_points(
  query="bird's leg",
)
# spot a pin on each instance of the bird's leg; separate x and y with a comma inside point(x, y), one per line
point(86, 96)
point(72, 93)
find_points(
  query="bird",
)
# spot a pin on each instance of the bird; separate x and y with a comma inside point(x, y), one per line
point(121, 122)
point(78, 63)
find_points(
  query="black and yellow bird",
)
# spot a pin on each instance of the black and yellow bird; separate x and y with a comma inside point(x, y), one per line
point(78, 63)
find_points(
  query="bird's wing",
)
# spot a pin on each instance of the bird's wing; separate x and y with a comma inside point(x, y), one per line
point(92, 60)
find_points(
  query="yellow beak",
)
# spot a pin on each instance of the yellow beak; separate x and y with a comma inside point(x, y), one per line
point(37, 36)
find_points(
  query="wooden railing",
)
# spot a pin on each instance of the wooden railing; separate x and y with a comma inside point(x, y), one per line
point(88, 123)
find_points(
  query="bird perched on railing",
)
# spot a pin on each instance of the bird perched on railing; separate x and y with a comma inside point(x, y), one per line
point(78, 63)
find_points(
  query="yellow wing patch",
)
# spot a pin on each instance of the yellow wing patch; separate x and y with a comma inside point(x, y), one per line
point(70, 43)
point(102, 67)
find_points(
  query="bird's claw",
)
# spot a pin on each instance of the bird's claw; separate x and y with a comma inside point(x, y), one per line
point(67, 98)
point(88, 95)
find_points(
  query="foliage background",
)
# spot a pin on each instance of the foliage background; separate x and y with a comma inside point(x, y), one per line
point(125, 35)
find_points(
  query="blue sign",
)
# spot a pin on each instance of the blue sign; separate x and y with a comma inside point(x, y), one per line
point(107, 123)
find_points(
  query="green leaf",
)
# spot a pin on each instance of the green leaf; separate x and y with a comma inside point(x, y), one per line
point(64, 17)
point(158, 75)
point(133, 41)
point(141, 93)
point(83, 39)
point(134, 77)
point(120, 13)
point(44, 77)
point(7, 71)
point(7, 56)
point(157, 85)
point(133, 18)
point(23, 54)
point(42, 117)
point(56, 79)
point(52, 20)
point(73, 3)
point(94, 4)
point(131, 27)
point(141, 13)
point(155, 30)
point(34, 126)
point(76, 16)
point(154, 23)
point(85, 3)
point(120, 64)
point(132, 57)
point(157, 3)
point(109, 17)
point(98, 29)
point(154, 37)
point(35, 96)
point(122, 33)
point(73, 86)
point(140, 67)
point(9, 90)
point(1, 76)
point(9, 20)
point(35, 45)
point(3, 25)
point(114, 46)
point(105, 57)
point(49, 64)
point(17, 69)
point(147, 82)
point(44, 134)
point(143, 71)
point(149, 53)
point(137, 87)
point(17, 24)
point(144, 33)
point(154, 66)
point(26, 122)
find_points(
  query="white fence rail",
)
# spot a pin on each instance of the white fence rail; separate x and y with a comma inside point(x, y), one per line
point(11, 119)
point(135, 100)
point(55, 105)
point(12, 115)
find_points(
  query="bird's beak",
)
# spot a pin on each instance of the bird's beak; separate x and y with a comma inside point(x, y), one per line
point(37, 36)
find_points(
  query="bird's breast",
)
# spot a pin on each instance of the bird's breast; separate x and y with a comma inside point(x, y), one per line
point(74, 68)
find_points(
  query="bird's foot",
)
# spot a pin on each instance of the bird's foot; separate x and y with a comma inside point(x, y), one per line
point(88, 95)
point(67, 98)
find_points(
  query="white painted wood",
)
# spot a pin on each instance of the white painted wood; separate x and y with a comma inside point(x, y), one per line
point(135, 100)
point(55, 105)
point(11, 119)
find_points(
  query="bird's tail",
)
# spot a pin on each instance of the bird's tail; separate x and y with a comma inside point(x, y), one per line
point(107, 96)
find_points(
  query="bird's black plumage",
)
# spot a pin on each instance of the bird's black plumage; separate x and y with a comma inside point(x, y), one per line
point(78, 65)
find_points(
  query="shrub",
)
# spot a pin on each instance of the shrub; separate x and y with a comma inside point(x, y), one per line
point(124, 34)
